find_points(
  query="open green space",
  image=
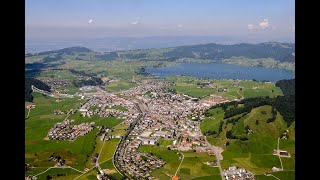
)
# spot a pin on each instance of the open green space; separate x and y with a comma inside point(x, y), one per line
point(235, 89)
point(55, 173)
point(192, 166)
point(256, 153)
point(108, 149)
point(99, 121)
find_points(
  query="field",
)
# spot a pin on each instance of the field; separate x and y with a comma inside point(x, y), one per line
point(118, 86)
point(192, 166)
point(77, 153)
point(108, 149)
point(99, 121)
point(235, 89)
point(254, 154)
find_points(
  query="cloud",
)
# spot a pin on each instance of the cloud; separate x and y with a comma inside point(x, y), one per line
point(180, 25)
point(136, 21)
point(90, 21)
point(252, 27)
point(264, 24)
point(274, 28)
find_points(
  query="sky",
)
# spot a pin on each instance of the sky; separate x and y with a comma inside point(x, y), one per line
point(245, 19)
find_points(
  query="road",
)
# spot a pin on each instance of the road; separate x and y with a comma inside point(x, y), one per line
point(28, 113)
point(123, 139)
point(218, 155)
point(63, 167)
point(279, 154)
point(180, 164)
point(219, 165)
point(240, 94)
point(272, 176)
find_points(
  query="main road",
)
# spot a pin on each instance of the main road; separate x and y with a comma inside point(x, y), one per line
point(123, 139)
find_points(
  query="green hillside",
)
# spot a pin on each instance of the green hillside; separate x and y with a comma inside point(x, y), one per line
point(248, 139)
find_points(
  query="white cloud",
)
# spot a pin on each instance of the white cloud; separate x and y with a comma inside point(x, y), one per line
point(136, 21)
point(90, 21)
point(274, 28)
point(180, 25)
point(264, 24)
point(252, 27)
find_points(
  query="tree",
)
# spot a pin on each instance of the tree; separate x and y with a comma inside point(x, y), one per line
point(227, 143)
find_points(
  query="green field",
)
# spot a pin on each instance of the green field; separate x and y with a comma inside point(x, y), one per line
point(192, 166)
point(118, 86)
point(254, 154)
point(55, 173)
point(245, 88)
point(99, 121)
point(108, 149)
point(76, 154)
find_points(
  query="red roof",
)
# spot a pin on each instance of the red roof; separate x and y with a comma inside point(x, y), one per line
point(175, 178)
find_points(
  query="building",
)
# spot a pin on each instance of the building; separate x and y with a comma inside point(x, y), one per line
point(175, 178)
point(149, 140)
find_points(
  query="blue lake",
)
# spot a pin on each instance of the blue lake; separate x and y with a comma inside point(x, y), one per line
point(221, 71)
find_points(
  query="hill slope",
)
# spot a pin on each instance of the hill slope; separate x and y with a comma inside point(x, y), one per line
point(35, 82)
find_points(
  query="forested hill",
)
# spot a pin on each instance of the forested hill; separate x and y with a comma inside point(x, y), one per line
point(287, 86)
point(35, 82)
point(68, 51)
point(278, 51)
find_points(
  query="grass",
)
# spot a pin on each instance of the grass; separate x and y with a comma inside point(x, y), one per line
point(191, 167)
point(65, 173)
point(108, 149)
point(212, 122)
point(118, 86)
point(283, 175)
point(191, 89)
point(76, 153)
point(246, 88)
point(165, 142)
point(254, 154)
point(99, 121)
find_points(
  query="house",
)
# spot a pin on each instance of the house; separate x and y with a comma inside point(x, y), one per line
point(175, 178)
point(149, 140)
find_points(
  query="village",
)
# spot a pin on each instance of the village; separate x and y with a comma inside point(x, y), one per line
point(236, 173)
point(165, 115)
point(152, 113)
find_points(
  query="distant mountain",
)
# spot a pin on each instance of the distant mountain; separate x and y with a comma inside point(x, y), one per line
point(278, 51)
point(67, 51)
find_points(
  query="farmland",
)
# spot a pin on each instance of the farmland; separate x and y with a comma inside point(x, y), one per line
point(255, 153)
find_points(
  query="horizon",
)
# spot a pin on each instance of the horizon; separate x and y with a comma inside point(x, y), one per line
point(241, 20)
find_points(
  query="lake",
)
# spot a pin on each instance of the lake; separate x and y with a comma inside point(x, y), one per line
point(221, 71)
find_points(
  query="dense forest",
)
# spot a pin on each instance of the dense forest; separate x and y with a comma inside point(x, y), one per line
point(35, 82)
point(287, 86)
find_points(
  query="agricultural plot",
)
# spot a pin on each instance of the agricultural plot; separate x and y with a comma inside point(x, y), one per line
point(234, 89)
point(192, 166)
point(256, 153)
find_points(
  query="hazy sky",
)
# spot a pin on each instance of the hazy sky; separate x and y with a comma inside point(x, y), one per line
point(248, 19)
